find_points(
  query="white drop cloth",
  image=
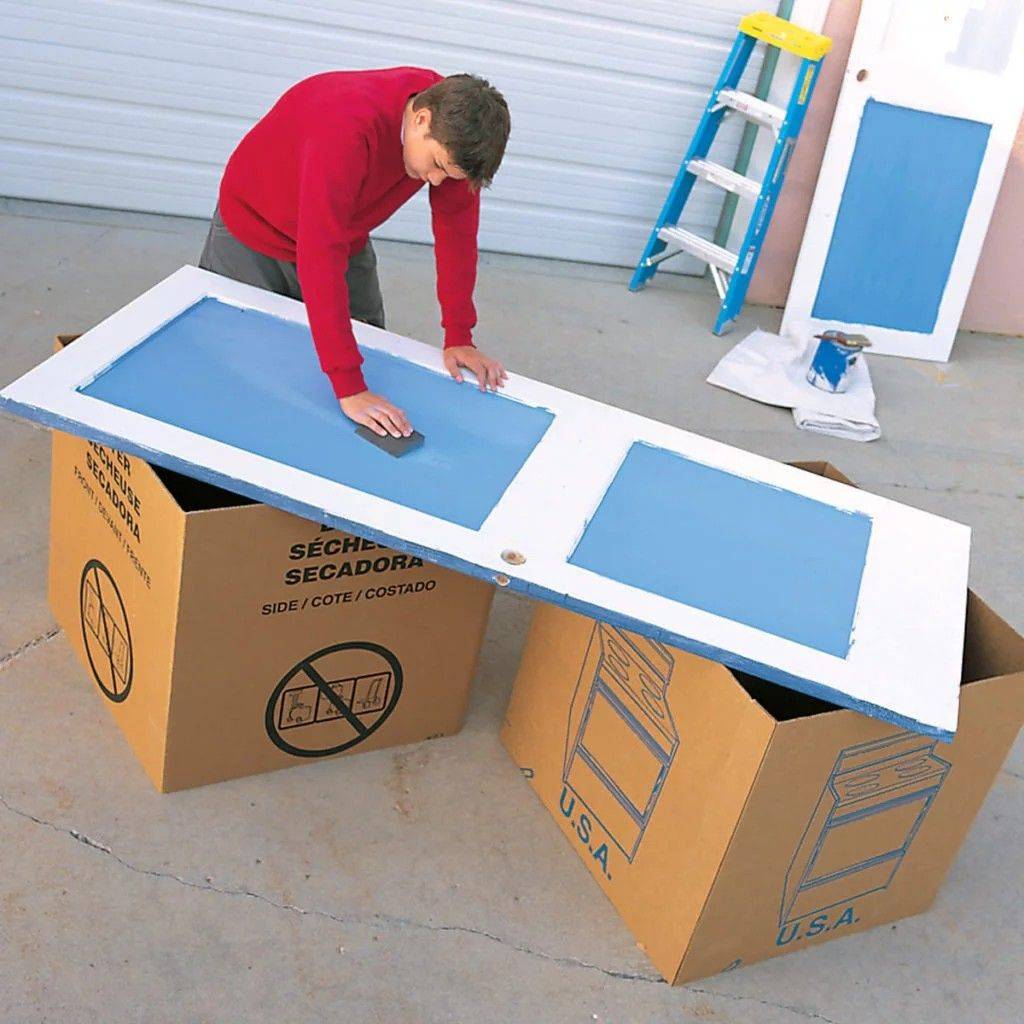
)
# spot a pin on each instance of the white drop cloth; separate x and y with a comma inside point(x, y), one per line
point(773, 369)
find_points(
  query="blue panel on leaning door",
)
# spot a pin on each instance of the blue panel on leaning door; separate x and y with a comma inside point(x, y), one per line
point(906, 196)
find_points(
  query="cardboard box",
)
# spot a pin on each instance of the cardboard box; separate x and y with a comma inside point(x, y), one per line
point(230, 638)
point(729, 819)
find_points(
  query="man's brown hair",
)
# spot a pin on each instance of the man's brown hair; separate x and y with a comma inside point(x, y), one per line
point(470, 118)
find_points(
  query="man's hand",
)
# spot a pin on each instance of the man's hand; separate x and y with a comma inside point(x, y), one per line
point(489, 372)
point(377, 413)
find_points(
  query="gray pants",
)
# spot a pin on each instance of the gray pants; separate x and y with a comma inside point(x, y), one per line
point(224, 254)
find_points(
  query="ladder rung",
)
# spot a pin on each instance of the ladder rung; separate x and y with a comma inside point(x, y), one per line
point(753, 109)
point(700, 247)
point(724, 177)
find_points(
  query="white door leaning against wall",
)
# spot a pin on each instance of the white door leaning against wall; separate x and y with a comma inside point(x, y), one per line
point(931, 101)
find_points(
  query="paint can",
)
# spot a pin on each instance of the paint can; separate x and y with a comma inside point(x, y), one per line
point(836, 355)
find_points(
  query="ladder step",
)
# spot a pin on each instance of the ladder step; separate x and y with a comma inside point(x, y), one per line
point(766, 114)
point(725, 177)
point(700, 247)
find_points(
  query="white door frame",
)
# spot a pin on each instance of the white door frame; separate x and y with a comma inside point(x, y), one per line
point(904, 662)
point(904, 64)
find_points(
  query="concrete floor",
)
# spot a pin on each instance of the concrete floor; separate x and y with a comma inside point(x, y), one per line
point(234, 902)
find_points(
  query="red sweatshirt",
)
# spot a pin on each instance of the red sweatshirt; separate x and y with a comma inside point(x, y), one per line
point(321, 170)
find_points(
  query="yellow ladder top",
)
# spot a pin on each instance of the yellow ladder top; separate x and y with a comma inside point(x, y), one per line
point(776, 31)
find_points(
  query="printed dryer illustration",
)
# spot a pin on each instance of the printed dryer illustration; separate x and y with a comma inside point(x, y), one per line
point(621, 738)
point(871, 808)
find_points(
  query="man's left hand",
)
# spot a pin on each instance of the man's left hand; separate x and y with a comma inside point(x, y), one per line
point(490, 374)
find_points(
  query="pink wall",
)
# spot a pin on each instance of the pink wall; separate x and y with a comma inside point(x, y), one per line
point(996, 300)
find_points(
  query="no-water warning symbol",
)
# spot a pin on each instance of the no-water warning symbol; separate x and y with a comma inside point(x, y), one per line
point(108, 640)
point(334, 699)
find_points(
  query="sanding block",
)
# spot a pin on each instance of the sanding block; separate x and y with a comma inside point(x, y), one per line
point(397, 446)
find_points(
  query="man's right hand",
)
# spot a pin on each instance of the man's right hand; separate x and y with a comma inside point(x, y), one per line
point(377, 413)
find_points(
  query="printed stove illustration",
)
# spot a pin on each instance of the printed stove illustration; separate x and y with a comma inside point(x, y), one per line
point(621, 738)
point(865, 820)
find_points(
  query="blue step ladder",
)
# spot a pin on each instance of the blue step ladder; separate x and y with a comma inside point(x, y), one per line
point(730, 271)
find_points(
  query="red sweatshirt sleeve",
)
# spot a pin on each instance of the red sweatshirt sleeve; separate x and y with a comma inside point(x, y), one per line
point(455, 213)
point(330, 177)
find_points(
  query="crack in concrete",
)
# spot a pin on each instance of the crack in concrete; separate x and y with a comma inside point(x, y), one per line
point(379, 920)
point(18, 652)
point(392, 921)
point(965, 491)
point(1013, 774)
point(736, 997)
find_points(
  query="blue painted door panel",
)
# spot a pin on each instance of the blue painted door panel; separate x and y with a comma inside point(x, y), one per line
point(251, 380)
point(906, 197)
point(734, 547)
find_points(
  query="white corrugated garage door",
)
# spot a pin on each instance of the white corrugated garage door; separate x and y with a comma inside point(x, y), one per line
point(136, 104)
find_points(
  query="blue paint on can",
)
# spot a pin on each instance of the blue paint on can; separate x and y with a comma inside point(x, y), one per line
point(836, 355)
